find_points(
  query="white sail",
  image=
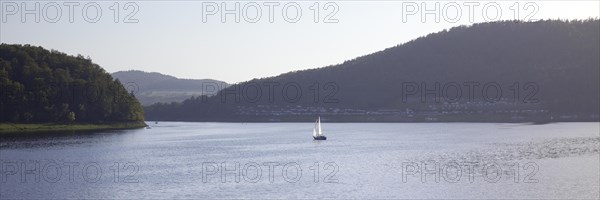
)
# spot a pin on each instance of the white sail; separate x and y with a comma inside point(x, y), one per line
point(315, 130)
point(319, 126)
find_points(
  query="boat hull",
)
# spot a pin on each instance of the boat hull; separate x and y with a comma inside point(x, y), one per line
point(320, 137)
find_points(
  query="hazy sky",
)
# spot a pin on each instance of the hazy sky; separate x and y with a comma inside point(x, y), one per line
point(188, 39)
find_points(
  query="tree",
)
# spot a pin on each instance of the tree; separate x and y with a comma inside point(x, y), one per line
point(71, 116)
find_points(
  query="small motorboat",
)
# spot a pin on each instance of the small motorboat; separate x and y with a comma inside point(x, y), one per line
point(317, 133)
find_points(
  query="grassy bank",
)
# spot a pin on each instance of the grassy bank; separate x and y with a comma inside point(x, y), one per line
point(50, 127)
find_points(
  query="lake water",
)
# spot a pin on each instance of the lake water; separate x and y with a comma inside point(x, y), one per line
point(281, 160)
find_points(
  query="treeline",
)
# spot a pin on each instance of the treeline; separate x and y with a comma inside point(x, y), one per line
point(554, 62)
point(42, 86)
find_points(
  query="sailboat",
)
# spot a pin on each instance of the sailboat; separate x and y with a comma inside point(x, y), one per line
point(317, 133)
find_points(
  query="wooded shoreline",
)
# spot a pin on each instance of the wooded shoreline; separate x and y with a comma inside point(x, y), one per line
point(8, 128)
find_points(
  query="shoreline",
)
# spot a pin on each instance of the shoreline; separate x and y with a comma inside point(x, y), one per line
point(11, 128)
point(373, 121)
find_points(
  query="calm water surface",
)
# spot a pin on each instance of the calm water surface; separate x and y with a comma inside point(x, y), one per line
point(280, 160)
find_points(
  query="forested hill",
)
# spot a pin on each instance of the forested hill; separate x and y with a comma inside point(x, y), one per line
point(42, 86)
point(153, 87)
point(498, 71)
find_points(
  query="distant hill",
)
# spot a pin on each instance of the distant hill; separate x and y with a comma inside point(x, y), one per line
point(43, 86)
point(152, 87)
point(508, 71)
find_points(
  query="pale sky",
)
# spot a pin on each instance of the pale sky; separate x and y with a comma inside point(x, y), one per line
point(172, 37)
